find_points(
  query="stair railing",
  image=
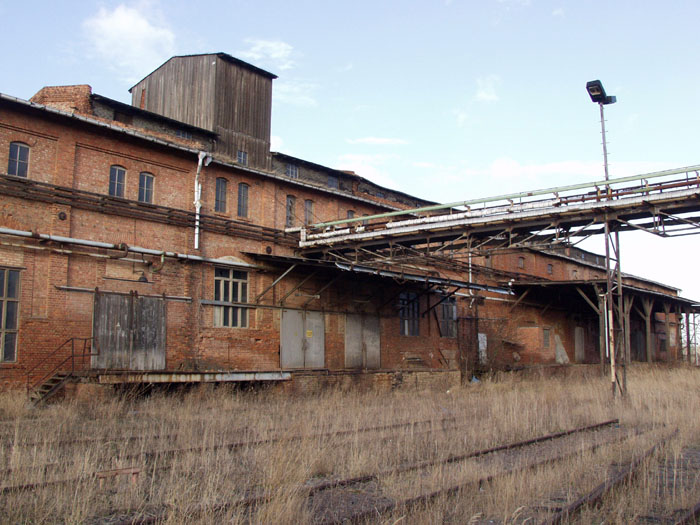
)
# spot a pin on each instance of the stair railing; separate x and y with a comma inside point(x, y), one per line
point(70, 358)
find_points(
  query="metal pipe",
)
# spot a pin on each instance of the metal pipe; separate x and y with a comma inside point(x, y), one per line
point(198, 196)
point(132, 249)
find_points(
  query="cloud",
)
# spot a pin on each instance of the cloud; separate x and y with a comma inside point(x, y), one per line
point(274, 52)
point(129, 40)
point(276, 143)
point(558, 13)
point(377, 141)
point(486, 88)
point(369, 166)
point(343, 69)
point(461, 116)
point(295, 93)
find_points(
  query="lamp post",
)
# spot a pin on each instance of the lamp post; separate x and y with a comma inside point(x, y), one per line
point(598, 95)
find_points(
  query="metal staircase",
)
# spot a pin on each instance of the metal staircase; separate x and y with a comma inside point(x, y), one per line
point(63, 367)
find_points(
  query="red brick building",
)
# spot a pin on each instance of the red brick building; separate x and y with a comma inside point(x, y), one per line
point(152, 236)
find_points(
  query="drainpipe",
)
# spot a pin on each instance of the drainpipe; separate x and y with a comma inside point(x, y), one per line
point(202, 158)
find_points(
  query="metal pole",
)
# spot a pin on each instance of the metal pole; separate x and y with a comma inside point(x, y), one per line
point(609, 295)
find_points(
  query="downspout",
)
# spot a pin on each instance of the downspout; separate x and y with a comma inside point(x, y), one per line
point(202, 158)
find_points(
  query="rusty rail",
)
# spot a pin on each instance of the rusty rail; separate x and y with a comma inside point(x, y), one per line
point(601, 490)
point(253, 501)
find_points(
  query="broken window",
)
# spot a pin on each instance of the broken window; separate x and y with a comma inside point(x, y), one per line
point(408, 313)
point(230, 286)
point(117, 180)
point(146, 187)
point(289, 218)
point(9, 314)
point(243, 199)
point(448, 317)
point(221, 189)
point(18, 164)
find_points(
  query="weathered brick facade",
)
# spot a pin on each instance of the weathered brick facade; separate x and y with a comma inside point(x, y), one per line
point(73, 243)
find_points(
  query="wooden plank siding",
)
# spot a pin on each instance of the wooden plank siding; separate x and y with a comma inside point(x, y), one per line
point(216, 94)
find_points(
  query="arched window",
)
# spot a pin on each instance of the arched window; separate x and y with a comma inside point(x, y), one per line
point(18, 164)
point(290, 213)
point(117, 181)
point(146, 181)
point(221, 189)
point(243, 199)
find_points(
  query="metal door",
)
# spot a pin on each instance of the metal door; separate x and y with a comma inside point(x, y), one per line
point(302, 339)
point(579, 344)
point(129, 331)
point(362, 342)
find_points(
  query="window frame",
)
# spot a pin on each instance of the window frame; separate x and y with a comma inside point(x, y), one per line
point(290, 211)
point(243, 199)
point(230, 286)
point(334, 182)
point(409, 314)
point(308, 212)
point(221, 195)
point(350, 214)
point(5, 300)
point(17, 166)
point(117, 181)
point(146, 193)
point(448, 317)
point(546, 338)
point(242, 157)
point(291, 171)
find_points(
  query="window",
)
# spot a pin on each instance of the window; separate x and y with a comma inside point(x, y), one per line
point(292, 171)
point(145, 187)
point(183, 134)
point(9, 314)
point(230, 286)
point(117, 177)
point(220, 200)
point(291, 203)
point(243, 199)
point(333, 182)
point(242, 157)
point(448, 317)
point(545, 337)
point(408, 313)
point(351, 214)
point(550, 269)
point(365, 222)
point(521, 262)
point(308, 212)
point(19, 159)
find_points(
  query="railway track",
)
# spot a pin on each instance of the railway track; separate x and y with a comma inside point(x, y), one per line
point(321, 498)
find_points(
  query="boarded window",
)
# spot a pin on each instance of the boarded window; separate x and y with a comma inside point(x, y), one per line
point(230, 286)
point(408, 313)
point(308, 212)
point(243, 199)
point(290, 212)
point(221, 189)
point(117, 180)
point(146, 187)
point(18, 164)
point(448, 317)
point(9, 314)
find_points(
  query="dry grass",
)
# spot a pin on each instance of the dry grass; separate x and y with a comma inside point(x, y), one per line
point(190, 484)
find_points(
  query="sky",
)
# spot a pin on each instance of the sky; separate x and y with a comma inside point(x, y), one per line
point(447, 100)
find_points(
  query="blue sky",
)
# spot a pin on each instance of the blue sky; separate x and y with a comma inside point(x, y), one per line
point(448, 100)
